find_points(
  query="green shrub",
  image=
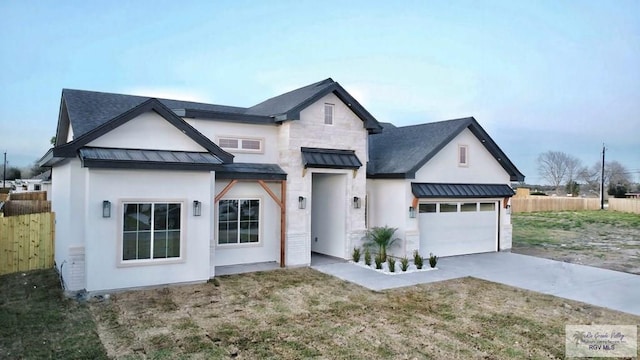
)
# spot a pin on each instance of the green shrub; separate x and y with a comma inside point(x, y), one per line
point(404, 264)
point(417, 259)
point(379, 261)
point(392, 264)
point(367, 257)
point(356, 255)
point(381, 237)
point(433, 260)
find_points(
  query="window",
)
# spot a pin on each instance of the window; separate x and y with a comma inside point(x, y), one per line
point(427, 208)
point(151, 231)
point(328, 114)
point(241, 144)
point(36, 187)
point(468, 207)
point(487, 206)
point(463, 155)
point(238, 221)
point(453, 207)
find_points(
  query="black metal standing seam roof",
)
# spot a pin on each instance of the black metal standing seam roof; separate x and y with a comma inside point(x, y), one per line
point(330, 158)
point(444, 190)
point(250, 171)
point(147, 159)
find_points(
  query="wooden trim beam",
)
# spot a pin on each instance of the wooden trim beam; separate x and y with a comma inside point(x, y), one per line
point(273, 196)
point(225, 190)
point(283, 221)
point(415, 203)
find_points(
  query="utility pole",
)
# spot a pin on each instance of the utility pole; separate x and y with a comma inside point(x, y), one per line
point(4, 171)
point(602, 180)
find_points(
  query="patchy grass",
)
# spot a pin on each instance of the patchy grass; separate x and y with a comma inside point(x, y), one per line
point(605, 239)
point(38, 322)
point(301, 313)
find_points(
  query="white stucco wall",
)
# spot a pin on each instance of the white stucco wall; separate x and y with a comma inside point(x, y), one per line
point(482, 168)
point(267, 133)
point(348, 133)
point(268, 249)
point(102, 246)
point(147, 131)
point(389, 202)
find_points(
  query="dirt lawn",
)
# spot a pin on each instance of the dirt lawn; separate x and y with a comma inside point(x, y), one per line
point(301, 313)
point(605, 239)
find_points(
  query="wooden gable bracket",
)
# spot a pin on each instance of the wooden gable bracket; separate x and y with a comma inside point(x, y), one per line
point(355, 173)
point(304, 171)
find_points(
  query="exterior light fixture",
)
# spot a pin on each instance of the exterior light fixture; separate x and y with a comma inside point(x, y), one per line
point(412, 212)
point(197, 208)
point(356, 202)
point(302, 202)
point(106, 209)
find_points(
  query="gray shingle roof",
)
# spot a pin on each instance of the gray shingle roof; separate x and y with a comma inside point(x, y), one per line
point(398, 152)
point(442, 190)
point(89, 109)
point(283, 103)
point(330, 158)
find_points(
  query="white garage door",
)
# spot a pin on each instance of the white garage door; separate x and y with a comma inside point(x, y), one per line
point(457, 228)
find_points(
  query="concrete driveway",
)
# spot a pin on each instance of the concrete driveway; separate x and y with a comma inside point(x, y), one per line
point(607, 288)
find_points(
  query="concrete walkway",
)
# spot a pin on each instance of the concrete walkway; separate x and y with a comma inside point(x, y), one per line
point(607, 288)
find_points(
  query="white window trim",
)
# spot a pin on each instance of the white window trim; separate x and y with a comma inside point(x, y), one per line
point(147, 262)
point(240, 139)
point(260, 223)
point(333, 113)
point(466, 151)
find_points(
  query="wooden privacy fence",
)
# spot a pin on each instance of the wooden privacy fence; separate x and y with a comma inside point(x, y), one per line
point(544, 203)
point(26, 242)
point(625, 205)
point(23, 207)
point(31, 195)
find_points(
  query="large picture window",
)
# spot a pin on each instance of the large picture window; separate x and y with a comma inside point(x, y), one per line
point(151, 231)
point(238, 221)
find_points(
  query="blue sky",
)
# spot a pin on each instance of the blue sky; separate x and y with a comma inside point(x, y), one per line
point(537, 75)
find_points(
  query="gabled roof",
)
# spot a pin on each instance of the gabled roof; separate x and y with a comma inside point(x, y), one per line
point(289, 105)
point(398, 152)
point(84, 134)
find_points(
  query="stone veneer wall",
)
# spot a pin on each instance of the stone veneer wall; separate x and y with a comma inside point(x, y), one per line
point(347, 132)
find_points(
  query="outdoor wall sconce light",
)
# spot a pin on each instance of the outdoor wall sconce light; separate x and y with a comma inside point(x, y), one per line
point(356, 202)
point(197, 208)
point(106, 209)
point(412, 212)
point(302, 202)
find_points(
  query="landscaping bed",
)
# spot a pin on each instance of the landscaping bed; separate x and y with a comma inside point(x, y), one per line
point(606, 239)
point(302, 313)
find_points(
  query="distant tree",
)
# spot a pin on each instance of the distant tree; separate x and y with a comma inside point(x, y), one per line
point(573, 188)
point(557, 167)
point(13, 173)
point(52, 140)
point(617, 190)
point(614, 173)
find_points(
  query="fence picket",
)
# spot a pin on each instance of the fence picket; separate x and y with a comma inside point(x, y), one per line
point(26, 242)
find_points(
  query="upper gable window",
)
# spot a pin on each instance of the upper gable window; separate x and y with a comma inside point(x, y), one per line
point(241, 144)
point(328, 113)
point(463, 155)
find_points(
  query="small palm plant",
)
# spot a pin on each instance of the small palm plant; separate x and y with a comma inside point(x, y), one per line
point(404, 264)
point(392, 264)
point(356, 254)
point(381, 237)
point(417, 259)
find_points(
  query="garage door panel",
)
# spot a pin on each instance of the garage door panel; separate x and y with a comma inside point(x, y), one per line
point(457, 233)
